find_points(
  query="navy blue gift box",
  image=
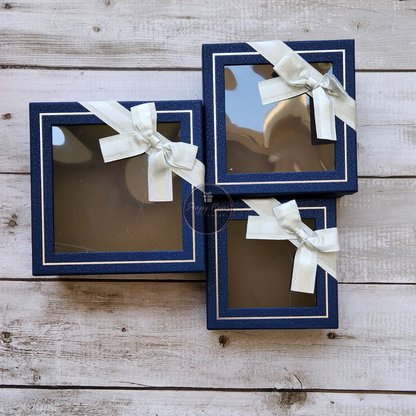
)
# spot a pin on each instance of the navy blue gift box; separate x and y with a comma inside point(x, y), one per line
point(77, 198)
point(248, 281)
point(233, 148)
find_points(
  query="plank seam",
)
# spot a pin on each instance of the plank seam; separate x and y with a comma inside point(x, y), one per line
point(207, 389)
point(149, 69)
point(99, 68)
point(77, 279)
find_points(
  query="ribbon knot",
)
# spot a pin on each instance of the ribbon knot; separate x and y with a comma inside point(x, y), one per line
point(312, 83)
point(154, 141)
point(301, 235)
point(314, 247)
point(296, 77)
point(137, 135)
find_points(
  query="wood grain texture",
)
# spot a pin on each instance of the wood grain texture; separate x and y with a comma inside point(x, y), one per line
point(376, 225)
point(130, 337)
point(20, 87)
point(200, 403)
point(377, 229)
point(386, 108)
point(15, 226)
point(143, 334)
point(131, 34)
point(386, 129)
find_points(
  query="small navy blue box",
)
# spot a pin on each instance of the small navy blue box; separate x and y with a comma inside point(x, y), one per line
point(257, 150)
point(248, 281)
point(91, 217)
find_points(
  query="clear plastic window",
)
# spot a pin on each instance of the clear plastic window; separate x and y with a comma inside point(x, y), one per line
point(104, 207)
point(278, 137)
point(260, 271)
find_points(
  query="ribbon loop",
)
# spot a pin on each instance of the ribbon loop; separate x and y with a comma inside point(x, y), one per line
point(145, 119)
point(138, 135)
point(299, 77)
point(314, 247)
point(180, 155)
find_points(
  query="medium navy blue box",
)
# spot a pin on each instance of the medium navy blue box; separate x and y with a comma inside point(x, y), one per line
point(248, 281)
point(91, 217)
point(256, 150)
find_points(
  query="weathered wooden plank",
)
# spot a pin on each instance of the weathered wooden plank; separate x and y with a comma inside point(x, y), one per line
point(119, 334)
point(386, 131)
point(20, 87)
point(15, 226)
point(131, 34)
point(198, 403)
point(153, 334)
point(378, 232)
point(376, 229)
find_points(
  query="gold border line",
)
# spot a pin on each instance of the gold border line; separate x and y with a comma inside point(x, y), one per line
point(110, 262)
point(264, 317)
point(215, 123)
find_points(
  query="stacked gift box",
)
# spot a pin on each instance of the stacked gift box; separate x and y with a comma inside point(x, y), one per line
point(244, 188)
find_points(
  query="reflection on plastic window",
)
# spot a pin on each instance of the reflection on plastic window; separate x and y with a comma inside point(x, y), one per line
point(270, 138)
point(260, 271)
point(104, 207)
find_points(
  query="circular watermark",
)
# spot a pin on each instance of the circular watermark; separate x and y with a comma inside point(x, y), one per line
point(210, 214)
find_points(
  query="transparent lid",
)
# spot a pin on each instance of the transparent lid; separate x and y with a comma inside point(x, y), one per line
point(260, 271)
point(278, 137)
point(104, 207)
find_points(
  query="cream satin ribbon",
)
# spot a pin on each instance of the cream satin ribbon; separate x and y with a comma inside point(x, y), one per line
point(138, 135)
point(296, 77)
point(283, 222)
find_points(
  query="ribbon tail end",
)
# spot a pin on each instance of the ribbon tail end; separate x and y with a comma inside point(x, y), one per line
point(309, 290)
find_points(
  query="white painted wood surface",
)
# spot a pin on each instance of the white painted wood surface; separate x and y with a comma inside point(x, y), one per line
point(137, 344)
point(169, 33)
point(146, 335)
point(200, 403)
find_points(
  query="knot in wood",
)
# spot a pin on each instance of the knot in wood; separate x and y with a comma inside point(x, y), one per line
point(223, 341)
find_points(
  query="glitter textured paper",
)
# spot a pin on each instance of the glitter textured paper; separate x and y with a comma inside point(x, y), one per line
point(338, 182)
point(221, 316)
point(48, 262)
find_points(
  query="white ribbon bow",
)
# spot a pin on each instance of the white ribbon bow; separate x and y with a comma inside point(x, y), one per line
point(296, 76)
point(283, 222)
point(138, 135)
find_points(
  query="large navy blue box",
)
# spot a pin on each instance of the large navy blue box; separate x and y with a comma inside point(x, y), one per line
point(256, 150)
point(248, 281)
point(89, 217)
